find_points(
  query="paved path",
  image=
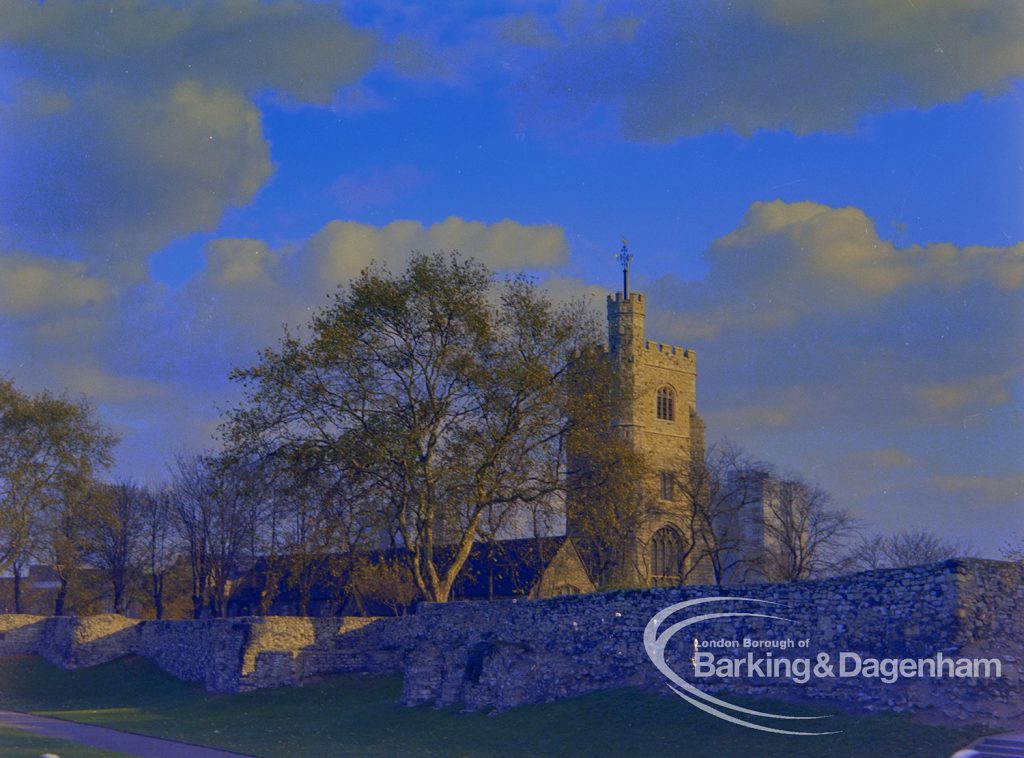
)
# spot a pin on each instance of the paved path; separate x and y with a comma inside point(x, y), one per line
point(108, 739)
point(996, 746)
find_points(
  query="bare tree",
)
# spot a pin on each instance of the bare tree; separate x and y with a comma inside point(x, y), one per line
point(316, 525)
point(189, 496)
point(66, 543)
point(911, 547)
point(1014, 551)
point(805, 534)
point(210, 500)
point(113, 532)
point(159, 546)
point(869, 552)
point(721, 489)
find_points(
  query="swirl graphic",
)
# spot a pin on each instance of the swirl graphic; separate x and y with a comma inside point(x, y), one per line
point(654, 644)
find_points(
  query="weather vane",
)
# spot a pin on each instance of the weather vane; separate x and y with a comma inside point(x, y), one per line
point(625, 257)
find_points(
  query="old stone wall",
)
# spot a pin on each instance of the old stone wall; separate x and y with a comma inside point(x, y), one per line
point(69, 641)
point(20, 634)
point(205, 650)
point(226, 655)
point(284, 650)
point(499, 655)
point(495, 655)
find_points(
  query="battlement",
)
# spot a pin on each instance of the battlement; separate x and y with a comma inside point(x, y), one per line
point(664, 349)
point(634, 297)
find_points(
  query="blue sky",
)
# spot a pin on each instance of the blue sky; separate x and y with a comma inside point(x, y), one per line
point(824, 199)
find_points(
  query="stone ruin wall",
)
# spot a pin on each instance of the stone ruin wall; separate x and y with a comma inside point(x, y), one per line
point(496, 655)
point(226, 655)
point(476, 657)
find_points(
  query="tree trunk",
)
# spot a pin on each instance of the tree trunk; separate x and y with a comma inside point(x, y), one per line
point(17, 588)
point(62, 593)
point(158, 595)
point(359, 602)
point(268, 592)
point(200, 589)
point(305, 594)
point(441, 591)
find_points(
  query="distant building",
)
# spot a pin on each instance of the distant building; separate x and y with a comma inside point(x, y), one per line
point(39, 587)
point(770, 520)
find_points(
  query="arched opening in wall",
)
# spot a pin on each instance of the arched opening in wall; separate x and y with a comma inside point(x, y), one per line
point(565, 589)
point(666, 404)
point(666, 553)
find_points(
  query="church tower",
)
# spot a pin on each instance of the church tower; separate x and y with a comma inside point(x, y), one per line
point(659, 418)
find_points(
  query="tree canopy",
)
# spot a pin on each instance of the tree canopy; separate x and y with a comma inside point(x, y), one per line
point(51, 447)
point(441, 399)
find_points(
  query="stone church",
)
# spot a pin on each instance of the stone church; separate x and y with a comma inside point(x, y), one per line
point(659, 419)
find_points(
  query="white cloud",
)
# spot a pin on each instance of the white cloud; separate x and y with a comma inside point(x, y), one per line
point(790, 262)
point(344, 248)
point(803, 66)
point(305, 50)
point(123, 173)
point(128, 125)
point(878, 368)
point(30, 284)
point(874, 368)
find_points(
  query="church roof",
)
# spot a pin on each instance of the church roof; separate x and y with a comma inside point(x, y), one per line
point(506, 568)
point(499, 569)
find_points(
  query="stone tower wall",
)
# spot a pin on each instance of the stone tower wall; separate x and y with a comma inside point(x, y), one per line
point(643, 367)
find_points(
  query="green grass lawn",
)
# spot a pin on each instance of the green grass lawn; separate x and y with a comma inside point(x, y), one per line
point(358, 715)
point(15, 743)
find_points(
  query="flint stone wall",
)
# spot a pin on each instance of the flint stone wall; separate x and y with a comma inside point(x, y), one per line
point(497, 655)
point(500, 655)
point(68, 641)
point(226, 655)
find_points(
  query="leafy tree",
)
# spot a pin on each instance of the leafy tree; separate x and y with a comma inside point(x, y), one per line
point(48, 446)
point(606, 509)
point(443, 397)
point(51, 448)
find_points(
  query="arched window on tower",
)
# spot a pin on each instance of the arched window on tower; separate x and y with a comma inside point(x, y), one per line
point(666, 404)
point(666, 553)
